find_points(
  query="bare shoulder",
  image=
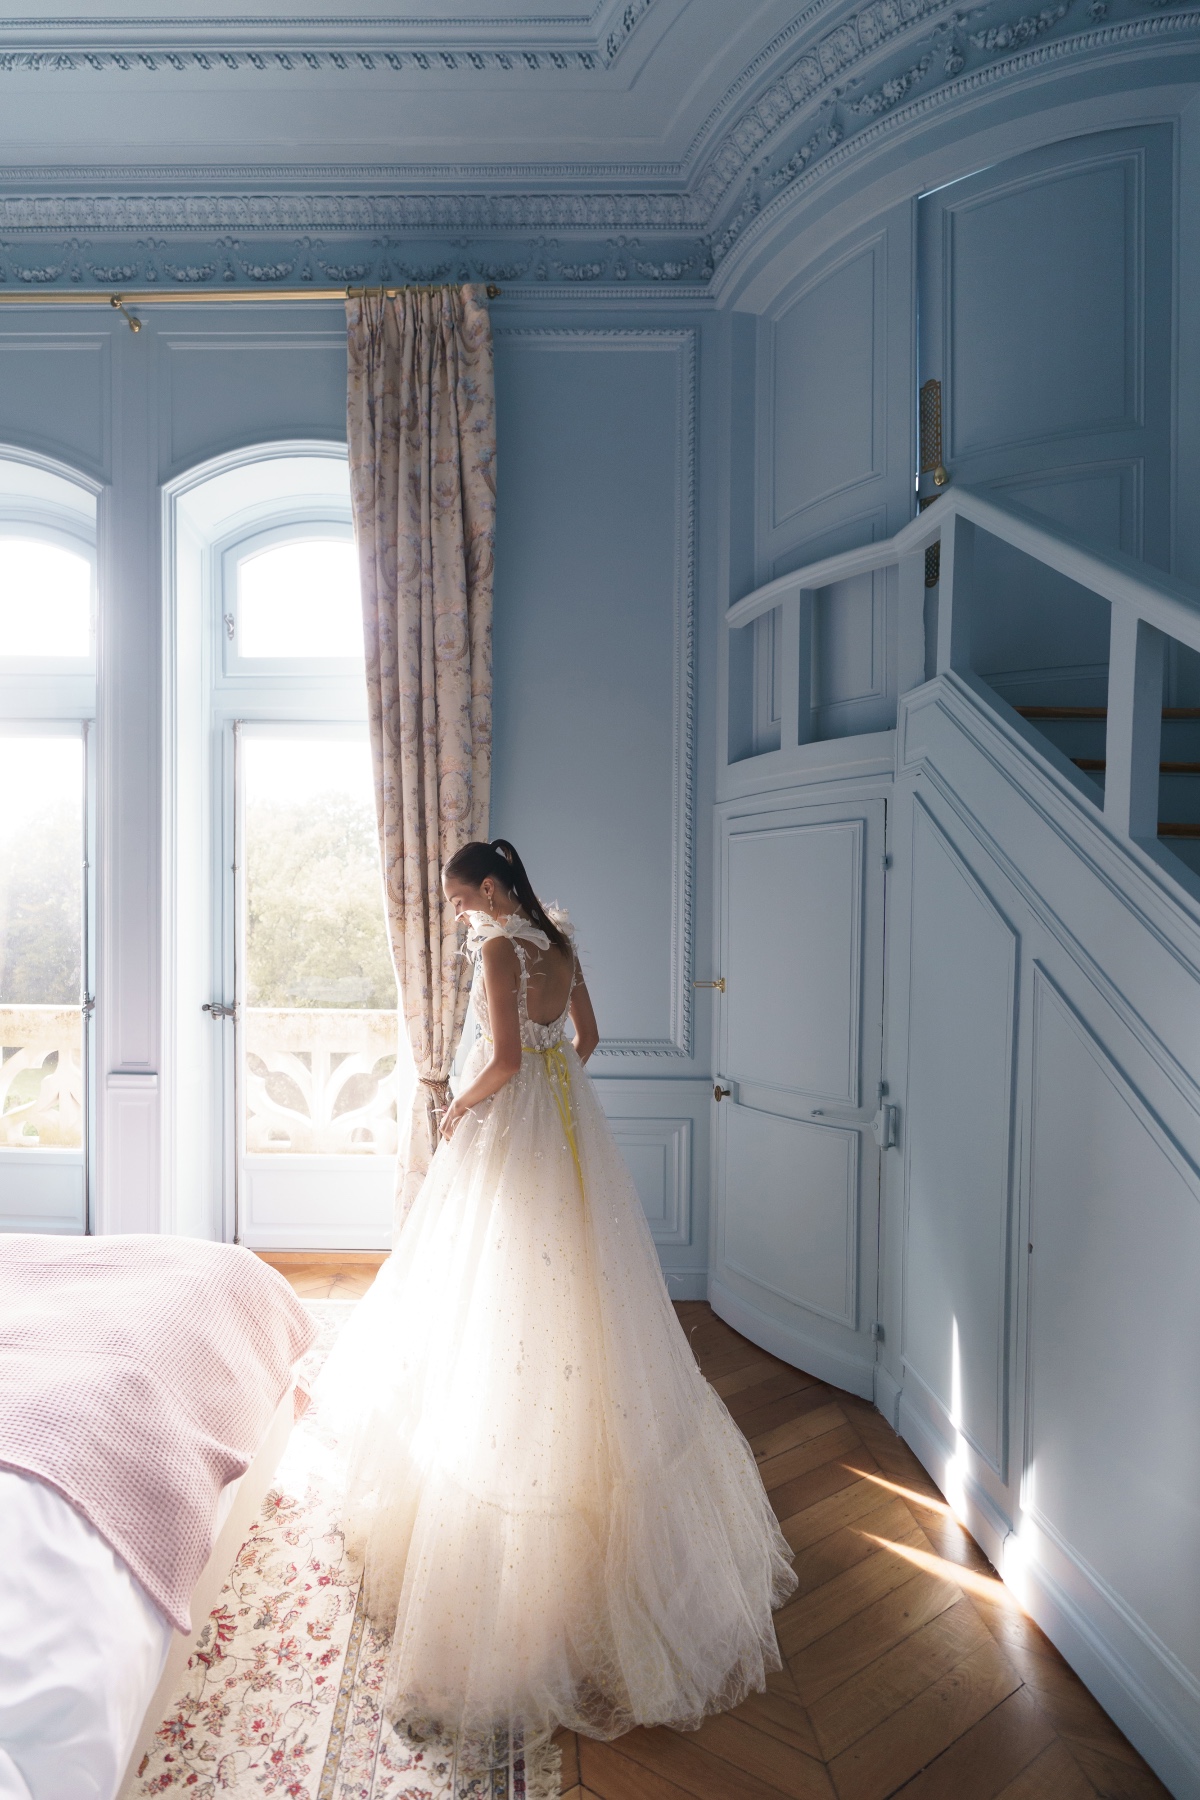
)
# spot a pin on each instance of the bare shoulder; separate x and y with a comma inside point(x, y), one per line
point(500, 958)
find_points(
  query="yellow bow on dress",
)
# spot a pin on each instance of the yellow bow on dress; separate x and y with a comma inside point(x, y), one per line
point(558, 1070)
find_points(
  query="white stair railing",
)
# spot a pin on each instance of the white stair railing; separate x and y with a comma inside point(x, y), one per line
point(1147, 608)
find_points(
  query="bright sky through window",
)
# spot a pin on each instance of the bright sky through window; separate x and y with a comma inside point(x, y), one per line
point(45, 600)
point(300, 599)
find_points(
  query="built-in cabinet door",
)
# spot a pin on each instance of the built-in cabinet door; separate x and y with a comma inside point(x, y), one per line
point(1046, 324)
point(800, 1115)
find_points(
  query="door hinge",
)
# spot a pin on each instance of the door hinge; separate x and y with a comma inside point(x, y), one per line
point(885, 861)
point(885, 1125)
point(877, 1332)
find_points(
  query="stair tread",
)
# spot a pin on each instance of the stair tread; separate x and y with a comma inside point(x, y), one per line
point(1165, 768)
point(1097, 712)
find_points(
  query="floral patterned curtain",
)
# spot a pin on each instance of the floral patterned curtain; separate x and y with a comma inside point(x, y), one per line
point(421, 419)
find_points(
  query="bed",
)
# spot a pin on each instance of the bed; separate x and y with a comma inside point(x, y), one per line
point(147, 1389)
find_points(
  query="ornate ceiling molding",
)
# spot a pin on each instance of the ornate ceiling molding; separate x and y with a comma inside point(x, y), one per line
point(364, 45)
point(967, 53)
point(835, 92)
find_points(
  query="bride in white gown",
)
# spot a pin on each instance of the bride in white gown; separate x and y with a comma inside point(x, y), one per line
point(559, 1522)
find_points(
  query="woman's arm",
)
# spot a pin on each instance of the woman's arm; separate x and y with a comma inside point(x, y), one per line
point(501, 981)
point(587, 1032)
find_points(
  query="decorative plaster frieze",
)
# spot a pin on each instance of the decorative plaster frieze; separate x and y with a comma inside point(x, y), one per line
point(770, 188)
point(181, 260)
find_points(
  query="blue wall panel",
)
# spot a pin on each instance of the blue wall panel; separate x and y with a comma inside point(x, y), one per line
point(592, 596)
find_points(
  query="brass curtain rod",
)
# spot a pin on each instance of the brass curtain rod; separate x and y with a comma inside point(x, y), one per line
point(208, 296)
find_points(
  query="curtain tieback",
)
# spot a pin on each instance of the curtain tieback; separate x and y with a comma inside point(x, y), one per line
point(437, 1099)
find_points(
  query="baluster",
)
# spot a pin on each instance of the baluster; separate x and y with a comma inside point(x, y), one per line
point(1133, 742)
point(910, 628)
point(956, 595)
point(795, 650)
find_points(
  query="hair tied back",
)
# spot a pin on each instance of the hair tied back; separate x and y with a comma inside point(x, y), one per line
point(499, 859)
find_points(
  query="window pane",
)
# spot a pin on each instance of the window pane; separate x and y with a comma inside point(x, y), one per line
point(319, 1024)
point(41, 916)
point(45, 600)
point(300, 599)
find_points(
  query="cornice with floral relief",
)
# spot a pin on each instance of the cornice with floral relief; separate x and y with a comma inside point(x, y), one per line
point(883, 69)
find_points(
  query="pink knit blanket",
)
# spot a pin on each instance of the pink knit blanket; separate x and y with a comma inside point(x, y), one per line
point(137, 1376)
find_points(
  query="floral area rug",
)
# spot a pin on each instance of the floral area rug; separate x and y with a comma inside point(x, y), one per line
point(281, 1693)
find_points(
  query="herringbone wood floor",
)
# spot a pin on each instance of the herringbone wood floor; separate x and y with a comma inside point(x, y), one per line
point(908, 1668)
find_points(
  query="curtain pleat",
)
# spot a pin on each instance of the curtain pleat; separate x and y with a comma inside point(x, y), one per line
point(422, 437)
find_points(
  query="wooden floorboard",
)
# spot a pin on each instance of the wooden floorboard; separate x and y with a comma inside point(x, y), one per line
point(908, 1669)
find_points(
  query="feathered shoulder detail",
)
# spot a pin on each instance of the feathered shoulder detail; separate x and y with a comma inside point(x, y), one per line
point(482, 927)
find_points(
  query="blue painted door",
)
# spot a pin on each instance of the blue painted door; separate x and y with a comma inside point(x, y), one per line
point(800, 1046)
point(1045, 290)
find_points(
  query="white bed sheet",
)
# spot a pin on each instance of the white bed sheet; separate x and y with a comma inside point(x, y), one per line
point(82, 1646)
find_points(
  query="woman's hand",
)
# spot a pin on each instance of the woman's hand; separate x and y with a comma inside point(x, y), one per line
point(452, 1117)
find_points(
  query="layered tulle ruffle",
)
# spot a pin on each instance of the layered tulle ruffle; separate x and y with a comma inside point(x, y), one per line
point(558, 1520)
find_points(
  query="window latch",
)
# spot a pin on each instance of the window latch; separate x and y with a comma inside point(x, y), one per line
point(217, 1009)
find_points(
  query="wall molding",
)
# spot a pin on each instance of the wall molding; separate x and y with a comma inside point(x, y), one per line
point(281, 45)
point(997, 1455)
point(679, 1037)
point(1134, 880)
point(673, 1136)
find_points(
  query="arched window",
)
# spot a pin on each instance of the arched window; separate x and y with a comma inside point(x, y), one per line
point(47, 706)
point(302, 1067)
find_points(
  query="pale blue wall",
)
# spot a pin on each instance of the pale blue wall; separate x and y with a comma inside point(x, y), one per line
point(603, 608)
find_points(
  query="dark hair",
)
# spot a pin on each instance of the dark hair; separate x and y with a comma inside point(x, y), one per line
point(477, 860)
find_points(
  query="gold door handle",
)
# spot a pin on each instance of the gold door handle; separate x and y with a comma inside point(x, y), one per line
point(941, 475)
point(720, 1093)
point(719, 984)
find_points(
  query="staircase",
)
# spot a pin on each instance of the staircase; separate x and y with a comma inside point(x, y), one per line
point(1079, 732)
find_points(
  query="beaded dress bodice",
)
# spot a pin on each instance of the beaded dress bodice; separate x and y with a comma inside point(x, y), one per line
point(530, 945)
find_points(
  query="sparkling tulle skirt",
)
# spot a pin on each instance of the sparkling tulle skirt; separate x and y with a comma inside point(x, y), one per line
point(558, 1520)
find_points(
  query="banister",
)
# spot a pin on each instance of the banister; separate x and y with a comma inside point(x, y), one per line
point(1163, 601)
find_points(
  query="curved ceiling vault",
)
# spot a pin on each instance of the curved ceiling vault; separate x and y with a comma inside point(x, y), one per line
point(584, 142)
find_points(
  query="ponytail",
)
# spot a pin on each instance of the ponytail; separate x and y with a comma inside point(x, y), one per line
point(476, 861)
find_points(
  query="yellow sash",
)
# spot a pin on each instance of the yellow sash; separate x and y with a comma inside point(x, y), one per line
point(558, 1071)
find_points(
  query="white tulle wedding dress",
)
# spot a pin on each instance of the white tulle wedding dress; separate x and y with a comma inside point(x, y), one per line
point(558, 1520)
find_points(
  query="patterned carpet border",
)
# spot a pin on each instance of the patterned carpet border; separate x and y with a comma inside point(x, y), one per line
point(281, 1696)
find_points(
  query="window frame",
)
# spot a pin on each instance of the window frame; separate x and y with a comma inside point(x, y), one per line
point(57, 697)
point(236, 673)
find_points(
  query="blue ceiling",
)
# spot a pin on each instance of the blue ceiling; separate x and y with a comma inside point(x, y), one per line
point(606, 141)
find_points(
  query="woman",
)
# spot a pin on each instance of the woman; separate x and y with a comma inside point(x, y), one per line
point(559, 1521)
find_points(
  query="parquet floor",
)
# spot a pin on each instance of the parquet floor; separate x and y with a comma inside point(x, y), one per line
point(909, 1670)
point(346, 1276)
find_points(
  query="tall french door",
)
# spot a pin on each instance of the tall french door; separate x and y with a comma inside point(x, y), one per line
point(45, 977)
point(317, 1076)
